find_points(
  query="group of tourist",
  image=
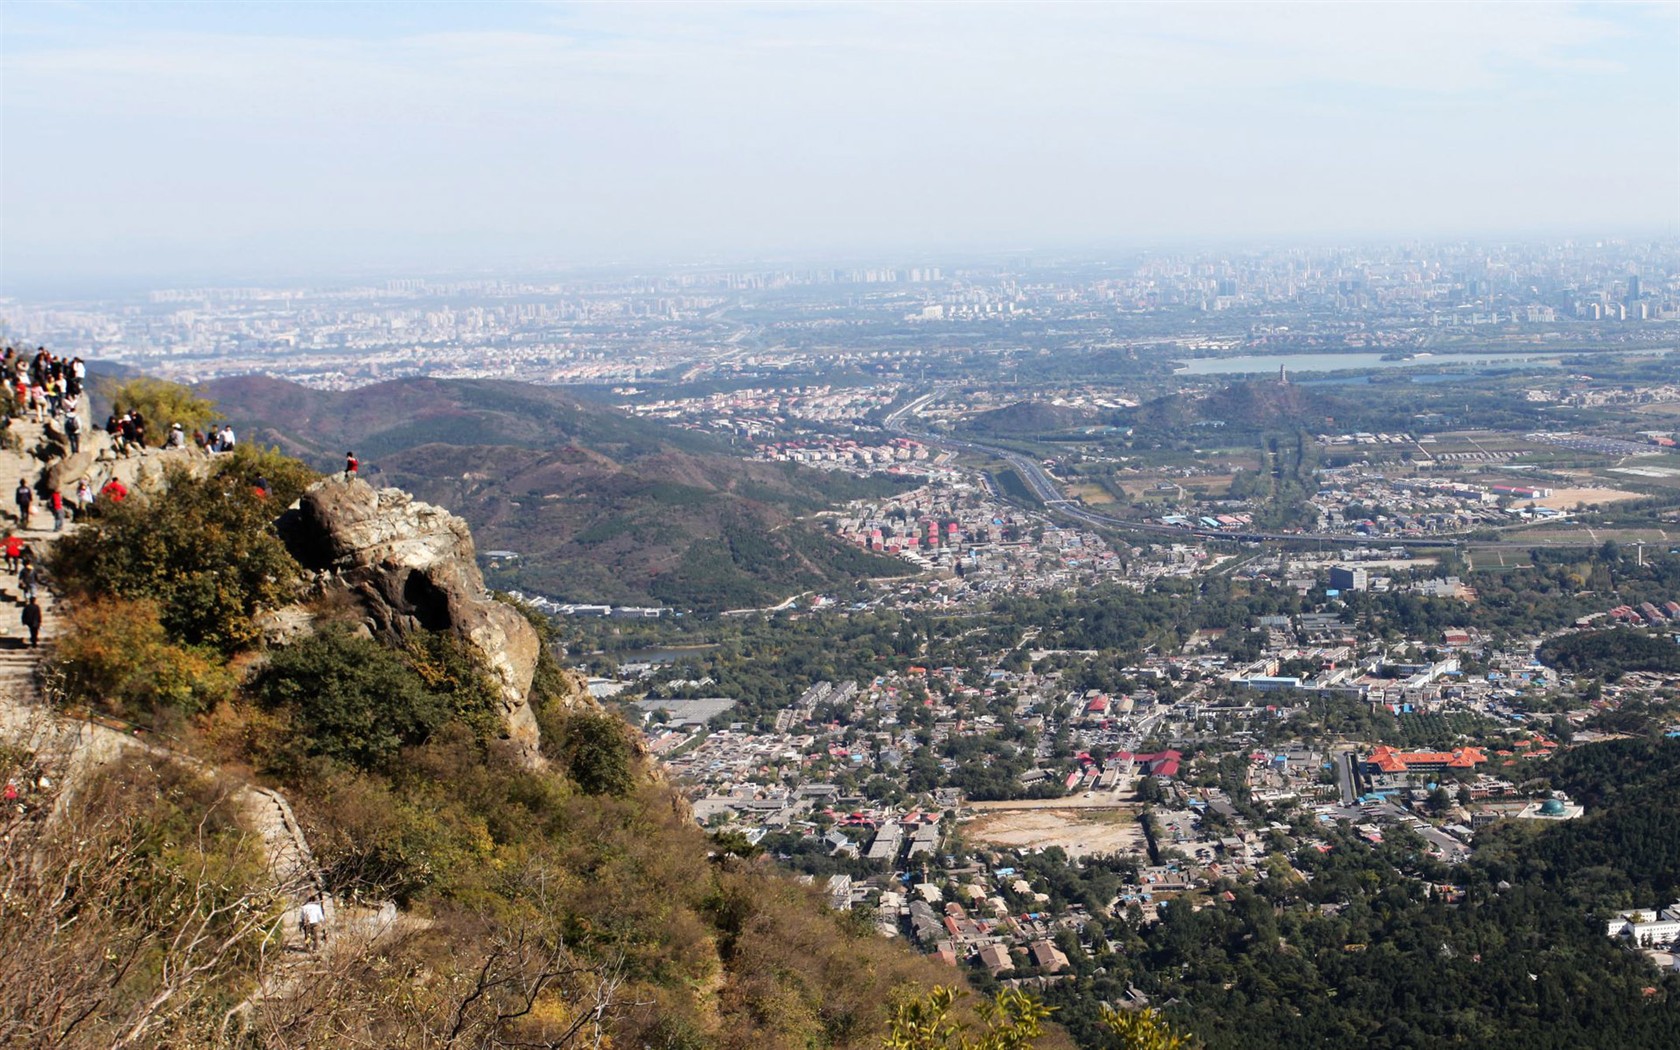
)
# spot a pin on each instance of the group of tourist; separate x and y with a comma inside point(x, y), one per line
point(50, 388)
point(43, 384)
point(127, 431)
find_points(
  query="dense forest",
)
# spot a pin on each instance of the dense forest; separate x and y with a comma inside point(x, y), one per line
point(1612, 653)
point(1387, 948)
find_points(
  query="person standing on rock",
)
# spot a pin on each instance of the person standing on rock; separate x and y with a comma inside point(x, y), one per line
point(55, 500)
point(350, 465)
point(25, 497)
point(312, 918)
point(32, 620)
point(84, 498)
point(73, 432)
point(27, 579)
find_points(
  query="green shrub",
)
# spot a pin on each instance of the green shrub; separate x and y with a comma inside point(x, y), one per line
point(286, 477)
point(351, 700)
point(203, 551)
point(162, 403)
point(598, 754)
point(448, 668)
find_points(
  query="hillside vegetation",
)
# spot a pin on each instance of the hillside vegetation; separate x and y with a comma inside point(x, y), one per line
point(568, 900)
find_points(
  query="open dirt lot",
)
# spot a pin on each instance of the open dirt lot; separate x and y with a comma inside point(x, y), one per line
point(1081, 831)
point(1565, 499)
point(1093, 495)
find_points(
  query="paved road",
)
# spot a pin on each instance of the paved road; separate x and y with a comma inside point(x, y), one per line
point(1048, 491)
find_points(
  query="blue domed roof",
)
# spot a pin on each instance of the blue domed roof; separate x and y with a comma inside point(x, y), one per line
point(1551, 808)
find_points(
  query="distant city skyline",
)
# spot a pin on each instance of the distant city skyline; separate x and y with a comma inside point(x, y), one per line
point(178, 141)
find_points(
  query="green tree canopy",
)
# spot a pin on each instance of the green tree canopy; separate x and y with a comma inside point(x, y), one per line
point(203, 549)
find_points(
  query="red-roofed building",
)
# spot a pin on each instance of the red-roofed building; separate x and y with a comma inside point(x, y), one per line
point(1385, 759)
point(1157, 764)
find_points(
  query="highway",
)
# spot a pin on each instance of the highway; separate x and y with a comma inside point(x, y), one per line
point(1047, 491)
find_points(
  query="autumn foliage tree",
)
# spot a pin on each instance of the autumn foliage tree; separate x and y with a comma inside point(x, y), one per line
point(117, 656)
point(162, 403)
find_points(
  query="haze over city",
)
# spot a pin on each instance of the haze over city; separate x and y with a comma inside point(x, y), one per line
point(173, 141)
point(736, 526)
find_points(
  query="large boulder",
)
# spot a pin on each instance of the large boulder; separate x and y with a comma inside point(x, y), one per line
point(62, 474)
point(412, 566)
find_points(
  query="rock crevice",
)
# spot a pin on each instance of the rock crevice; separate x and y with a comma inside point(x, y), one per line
point(412, 566)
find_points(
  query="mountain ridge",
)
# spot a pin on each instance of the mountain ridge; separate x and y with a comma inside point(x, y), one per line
point(599, 506)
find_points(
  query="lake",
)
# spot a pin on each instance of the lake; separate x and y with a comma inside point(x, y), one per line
point(1258, 364)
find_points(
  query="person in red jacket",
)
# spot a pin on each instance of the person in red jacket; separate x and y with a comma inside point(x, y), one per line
point(114, 490)
point(56, 502)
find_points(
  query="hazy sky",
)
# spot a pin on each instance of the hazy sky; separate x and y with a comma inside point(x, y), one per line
point(252, 139)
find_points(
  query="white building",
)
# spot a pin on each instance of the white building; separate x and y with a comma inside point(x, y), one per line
point(1646, 927)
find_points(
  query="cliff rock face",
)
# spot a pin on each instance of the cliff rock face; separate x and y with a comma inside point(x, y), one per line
point(412, 566)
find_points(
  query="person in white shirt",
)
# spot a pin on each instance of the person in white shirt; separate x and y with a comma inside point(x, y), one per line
point(312, 918)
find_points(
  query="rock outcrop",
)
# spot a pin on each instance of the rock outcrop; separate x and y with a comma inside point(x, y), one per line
point(412, 566)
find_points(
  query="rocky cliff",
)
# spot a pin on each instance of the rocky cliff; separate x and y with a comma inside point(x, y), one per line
point(412, 566)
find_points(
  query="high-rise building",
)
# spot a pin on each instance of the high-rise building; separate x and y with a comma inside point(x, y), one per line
point(1633, 289)
point(1347, 578)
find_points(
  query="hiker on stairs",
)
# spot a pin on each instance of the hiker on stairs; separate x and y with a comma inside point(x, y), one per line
point(32, 620)
point(312, 918)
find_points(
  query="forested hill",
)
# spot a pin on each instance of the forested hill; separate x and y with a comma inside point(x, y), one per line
point(318, 426)
point(600, 506)
point(1026, 418)
point(1247, 405)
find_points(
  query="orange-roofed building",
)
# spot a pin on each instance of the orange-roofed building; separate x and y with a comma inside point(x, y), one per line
point(1385, 759)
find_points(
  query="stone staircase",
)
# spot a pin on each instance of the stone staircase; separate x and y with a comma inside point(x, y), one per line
point(17, 661)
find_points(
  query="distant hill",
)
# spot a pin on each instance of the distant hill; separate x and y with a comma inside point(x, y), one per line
point(319, 426)
point(1026, 418)
point(1250, 405)
point(600, 506)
